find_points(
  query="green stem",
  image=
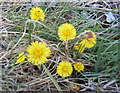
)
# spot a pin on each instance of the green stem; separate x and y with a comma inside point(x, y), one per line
point(30, 32)
point(52, 78)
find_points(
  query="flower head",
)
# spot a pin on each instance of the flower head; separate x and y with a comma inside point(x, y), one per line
point(37, 13)
point(21, 58)
point(66, 32)
point(79, 66)
point(38, 53)
point(64, 69)
point(88, 42)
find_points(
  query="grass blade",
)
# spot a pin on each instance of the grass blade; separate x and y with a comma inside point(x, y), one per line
point(52, 78)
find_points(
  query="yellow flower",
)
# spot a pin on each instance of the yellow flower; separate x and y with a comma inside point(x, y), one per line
point(79, 66)
point(37, 13)
point(79, 48)
point(38, 53)
point(64, 69)
point(21, 58)
point(88, 42)
point(66, 32)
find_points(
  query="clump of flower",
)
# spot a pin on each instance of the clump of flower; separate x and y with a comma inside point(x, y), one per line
point(38, 53)
point(64, 69)
point(79, 66)
point(66, 32)
point(21, 58)
point(37, 13)
point(88, 42)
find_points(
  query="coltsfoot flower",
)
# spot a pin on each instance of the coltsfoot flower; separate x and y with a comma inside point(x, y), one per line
point(79, 47)
point(37, 13)
point(64, 69)
point(88, 42)
point(21, 58)
point(79, 66)
point(66, 32)
point(38, 53)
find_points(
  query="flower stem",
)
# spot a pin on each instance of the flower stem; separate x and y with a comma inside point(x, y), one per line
point(29, 37)
point(66, 50)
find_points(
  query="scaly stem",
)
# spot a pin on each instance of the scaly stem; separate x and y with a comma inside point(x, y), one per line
point(66, 50)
